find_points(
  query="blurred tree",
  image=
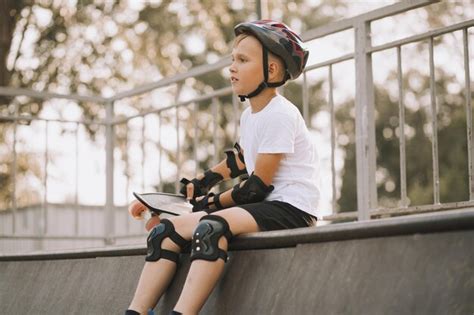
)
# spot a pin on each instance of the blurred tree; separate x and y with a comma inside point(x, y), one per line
point(9, 10)
point(104, 47)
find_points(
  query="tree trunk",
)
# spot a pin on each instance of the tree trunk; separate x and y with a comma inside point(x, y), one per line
point(9, 11)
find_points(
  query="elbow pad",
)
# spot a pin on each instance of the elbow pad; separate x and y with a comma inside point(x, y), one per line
point(231, 161)
point(253, 190)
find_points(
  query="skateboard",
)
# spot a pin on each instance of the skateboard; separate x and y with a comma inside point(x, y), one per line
point(159, 202)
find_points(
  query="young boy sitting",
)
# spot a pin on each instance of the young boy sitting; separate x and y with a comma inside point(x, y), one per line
point(275, 150)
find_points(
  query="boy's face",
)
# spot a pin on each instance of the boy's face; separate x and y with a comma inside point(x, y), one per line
point(246, 70)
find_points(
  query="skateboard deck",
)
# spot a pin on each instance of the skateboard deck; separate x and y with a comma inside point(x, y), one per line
point(159, 202)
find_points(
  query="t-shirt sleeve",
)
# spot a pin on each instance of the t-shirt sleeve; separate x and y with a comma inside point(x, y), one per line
point(278, 135)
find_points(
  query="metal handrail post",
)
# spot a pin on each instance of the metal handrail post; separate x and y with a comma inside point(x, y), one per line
point(467, 93)
point(14, 172)
point(365, 124)
point(44, 210)
point(178, 142)
point(109, 218)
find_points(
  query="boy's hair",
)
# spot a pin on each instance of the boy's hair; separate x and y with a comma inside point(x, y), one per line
point(271, 56)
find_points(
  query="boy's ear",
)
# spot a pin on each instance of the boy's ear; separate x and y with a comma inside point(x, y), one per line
point(273, 70)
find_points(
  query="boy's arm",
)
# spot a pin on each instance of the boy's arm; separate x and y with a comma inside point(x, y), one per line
point(232, 166)
point(254, 189)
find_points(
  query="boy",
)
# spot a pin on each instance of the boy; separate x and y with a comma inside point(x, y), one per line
point(276, 151)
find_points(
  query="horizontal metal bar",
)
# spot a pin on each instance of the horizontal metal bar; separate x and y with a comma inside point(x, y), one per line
point(65, 205)
point(217, 93)
point(144, 234)
point(352, 215)
point(195, 72)
point(420, 37)
point(330, 62)
point(377, 14)
point(65, 237)
point(78, 253)
point(9, 91)
point(327, 29)
point(50, 237)
point(424, 208)
point(32, 118)
point(341, 216)
point(394, 9)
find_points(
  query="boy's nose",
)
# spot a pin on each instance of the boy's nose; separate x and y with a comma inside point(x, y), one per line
point(232, 68)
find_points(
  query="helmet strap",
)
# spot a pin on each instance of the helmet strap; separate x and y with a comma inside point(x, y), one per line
point(265, 82)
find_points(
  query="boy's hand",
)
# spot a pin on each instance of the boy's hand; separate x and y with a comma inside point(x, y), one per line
point(152, 222)
point(191, 188)
point(189, 191)
point(203, 202)
point(137, 210)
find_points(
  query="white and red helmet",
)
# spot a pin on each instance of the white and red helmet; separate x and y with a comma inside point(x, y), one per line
point(279, 39)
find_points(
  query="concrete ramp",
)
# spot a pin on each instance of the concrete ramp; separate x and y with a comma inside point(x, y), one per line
point(421, 264)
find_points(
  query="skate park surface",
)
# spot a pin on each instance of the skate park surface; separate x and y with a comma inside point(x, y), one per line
point(418, 264)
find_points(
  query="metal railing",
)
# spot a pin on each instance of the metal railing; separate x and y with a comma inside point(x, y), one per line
point(367, 204)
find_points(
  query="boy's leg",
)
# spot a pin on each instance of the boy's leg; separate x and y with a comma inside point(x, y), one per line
point(156, 275)
point(203, 275)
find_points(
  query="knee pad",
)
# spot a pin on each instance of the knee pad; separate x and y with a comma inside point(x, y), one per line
point(205, 244)
point(155, 238)
point(253, 190)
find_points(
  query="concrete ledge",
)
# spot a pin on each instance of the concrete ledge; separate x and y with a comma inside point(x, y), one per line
point(421, 264)
point(430, 273)
point(421, 223)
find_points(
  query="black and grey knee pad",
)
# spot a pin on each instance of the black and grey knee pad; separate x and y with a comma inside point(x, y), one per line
point(205, 243)
point(155, 238)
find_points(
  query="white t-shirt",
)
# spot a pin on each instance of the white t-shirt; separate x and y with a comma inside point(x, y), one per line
point(280, 128)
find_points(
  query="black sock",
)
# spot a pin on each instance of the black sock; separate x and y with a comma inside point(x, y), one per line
point(130, 312)
point(175, 313)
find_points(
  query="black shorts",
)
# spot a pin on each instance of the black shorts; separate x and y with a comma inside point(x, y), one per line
point(278, 215)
